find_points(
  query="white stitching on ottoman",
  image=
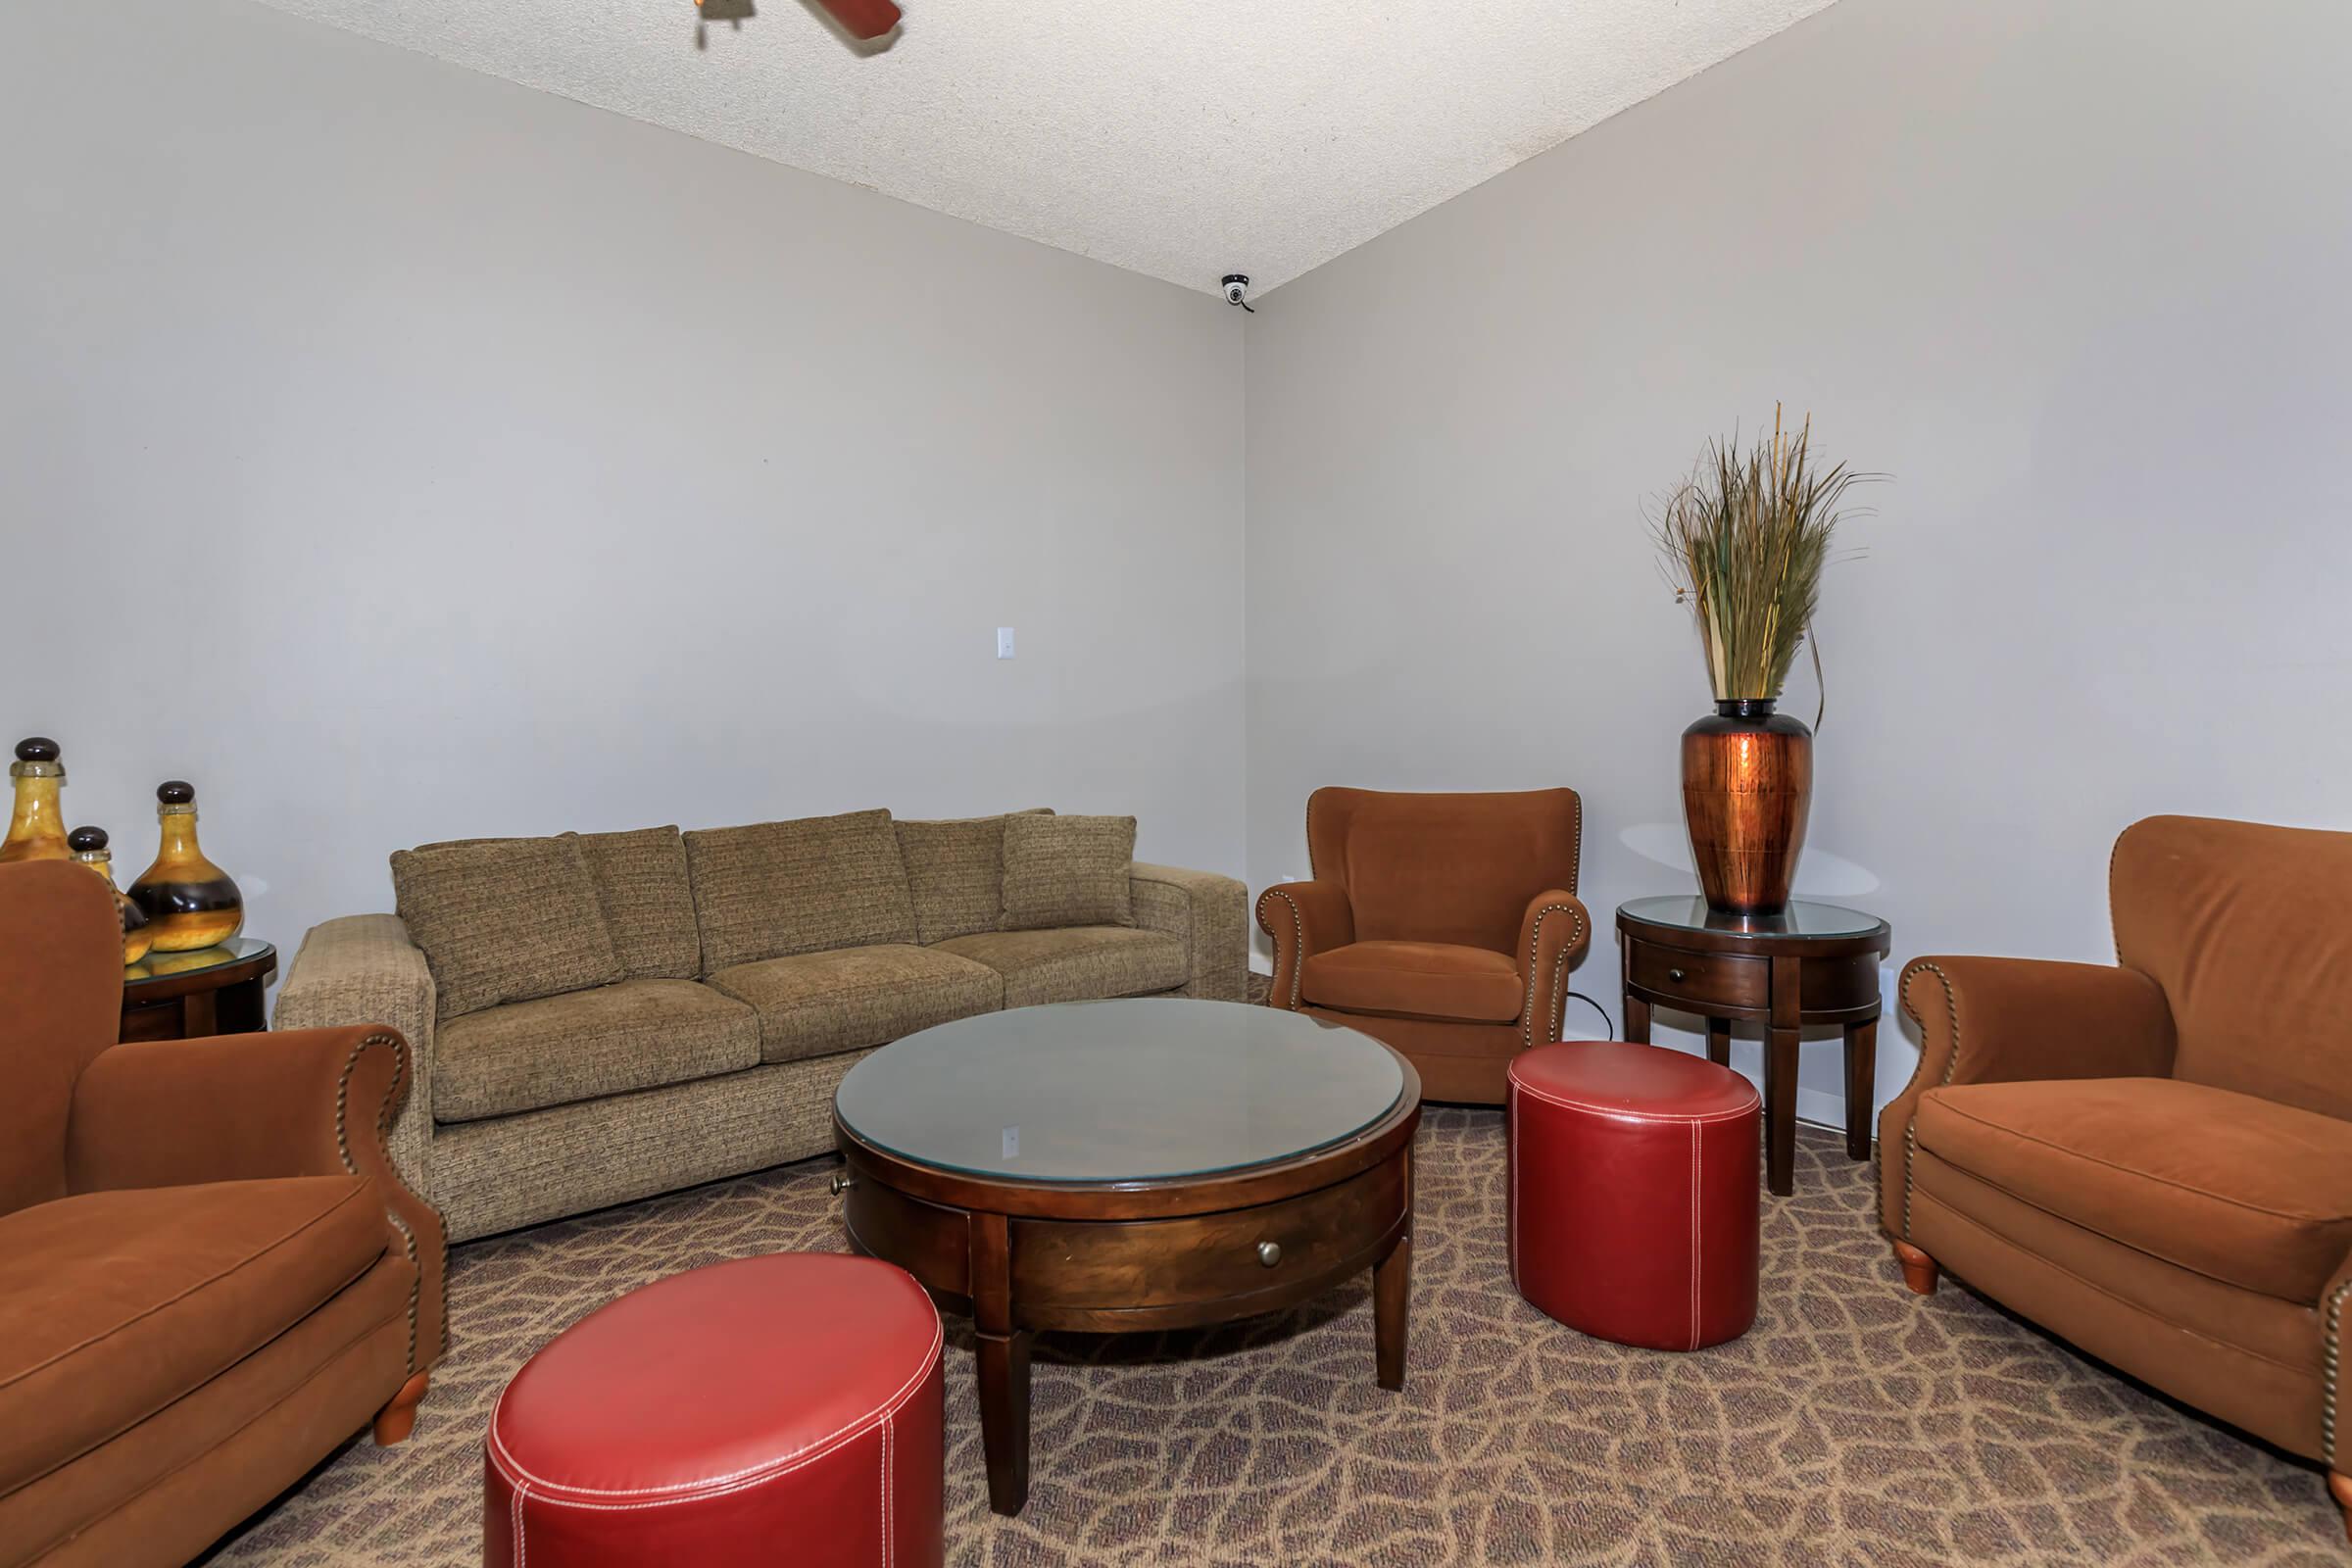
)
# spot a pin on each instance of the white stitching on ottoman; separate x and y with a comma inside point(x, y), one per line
point(717, 1486)
point(1698, 1172)
point(514, 1512)
point(886, 1559)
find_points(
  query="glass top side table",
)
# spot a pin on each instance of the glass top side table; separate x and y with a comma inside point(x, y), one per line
point(1813, 963)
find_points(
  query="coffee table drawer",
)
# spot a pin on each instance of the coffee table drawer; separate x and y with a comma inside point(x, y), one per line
point(1207, 1257)
point(1699, 979)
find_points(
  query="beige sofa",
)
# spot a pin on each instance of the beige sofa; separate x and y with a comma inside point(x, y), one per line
point(742, 971)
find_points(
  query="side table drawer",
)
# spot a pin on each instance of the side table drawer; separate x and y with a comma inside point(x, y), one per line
point(1702, 979)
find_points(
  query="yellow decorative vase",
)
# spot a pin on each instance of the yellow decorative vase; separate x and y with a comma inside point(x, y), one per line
point(88, 845)
point(190, 903)
point(36, 829)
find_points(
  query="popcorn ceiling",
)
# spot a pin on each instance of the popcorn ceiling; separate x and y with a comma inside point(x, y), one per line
point(1183, 140)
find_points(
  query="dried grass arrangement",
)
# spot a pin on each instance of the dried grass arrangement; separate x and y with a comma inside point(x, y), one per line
point(1744, 540)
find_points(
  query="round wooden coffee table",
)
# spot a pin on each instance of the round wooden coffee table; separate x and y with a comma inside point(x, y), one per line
point(1154, 1163)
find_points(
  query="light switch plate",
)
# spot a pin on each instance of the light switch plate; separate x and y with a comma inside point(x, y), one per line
point(1003, 642)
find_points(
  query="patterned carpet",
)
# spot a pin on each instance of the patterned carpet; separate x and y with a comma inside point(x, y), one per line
point(1854, 1425)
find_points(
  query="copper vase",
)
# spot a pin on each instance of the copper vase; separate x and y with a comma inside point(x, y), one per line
point(1748, 782)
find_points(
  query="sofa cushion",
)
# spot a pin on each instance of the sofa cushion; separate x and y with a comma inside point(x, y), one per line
point(774, 889)
point(2246, 1190)
point(641, 883)
point(114, 1305)
point(955, 870)
point(1075, 964)
point(504, 920)
point(1067, 870)
point(1421, 979)
point(847, 998)
point(639, 1034)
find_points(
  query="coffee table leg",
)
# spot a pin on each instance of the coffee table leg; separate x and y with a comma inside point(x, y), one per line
point(1005, 1418)
point(1392, 1308)
point(1003, 1365)
point(1392, 1294)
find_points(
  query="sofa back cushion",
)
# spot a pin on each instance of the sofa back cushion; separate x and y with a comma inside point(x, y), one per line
point(1067, 870)
point(1456, 869)
point(648, 900)
point(956, 871)
point(774, 889)
point(504, 920)
point(2248, 929)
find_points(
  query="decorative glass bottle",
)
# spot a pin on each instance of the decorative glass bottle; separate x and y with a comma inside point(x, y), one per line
point(88, 845)
point(36, 831)
point(189, 900)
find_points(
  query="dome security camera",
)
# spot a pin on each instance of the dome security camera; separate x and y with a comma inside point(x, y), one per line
point(1237, 291)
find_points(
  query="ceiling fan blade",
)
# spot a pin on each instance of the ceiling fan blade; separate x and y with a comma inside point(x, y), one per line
point(862, 18)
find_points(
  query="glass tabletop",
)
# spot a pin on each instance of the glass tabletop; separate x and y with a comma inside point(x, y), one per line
point(1119, 1091)
point(154, 966)
point(1799, 920)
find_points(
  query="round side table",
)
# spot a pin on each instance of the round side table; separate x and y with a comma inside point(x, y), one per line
point(1812, 963)
point(209, 991)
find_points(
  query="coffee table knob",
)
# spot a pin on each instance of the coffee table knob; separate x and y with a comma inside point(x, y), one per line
point(840, 1182)
point(1269, 1252)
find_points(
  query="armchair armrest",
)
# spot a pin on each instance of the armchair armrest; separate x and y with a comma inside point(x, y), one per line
point(2006, 1021)
point(1553, 933)
point(363, 970)
point(1303, 918)
point(249, 1107)
point(1205, 912)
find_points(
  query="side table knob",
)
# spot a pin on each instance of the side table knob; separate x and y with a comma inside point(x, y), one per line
point(1269, 1252)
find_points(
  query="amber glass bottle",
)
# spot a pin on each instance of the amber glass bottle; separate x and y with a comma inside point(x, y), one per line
point(35, 829)
point(190, 902)
point(88, 845)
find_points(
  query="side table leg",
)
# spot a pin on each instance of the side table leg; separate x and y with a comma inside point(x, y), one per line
point(1719, 1041)
point(1779, 1078)
point(1637, 1019)
point(1003, 1365)
point(1861, 1076)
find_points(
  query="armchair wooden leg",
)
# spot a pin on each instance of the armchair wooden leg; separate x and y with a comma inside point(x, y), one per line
point(2339, 1486)
point(395, 1421)
point(1920, 1271)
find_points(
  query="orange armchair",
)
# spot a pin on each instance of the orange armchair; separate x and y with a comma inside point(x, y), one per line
point(1443, 924)
point(2154, 1159)
point(210, 1275)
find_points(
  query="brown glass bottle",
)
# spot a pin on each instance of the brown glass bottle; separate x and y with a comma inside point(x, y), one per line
point(36, 831)
point(88, 845)
point(189, 900)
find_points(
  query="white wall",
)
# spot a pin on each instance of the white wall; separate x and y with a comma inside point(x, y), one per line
point(2075, 274)
point(399, 453)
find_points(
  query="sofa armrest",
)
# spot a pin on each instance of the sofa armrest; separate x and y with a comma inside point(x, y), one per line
point(1553, 933)
point(1205, 912)
point(2006, 1021)
point(250, 1108)
point(363, 970)
point(1303, 918)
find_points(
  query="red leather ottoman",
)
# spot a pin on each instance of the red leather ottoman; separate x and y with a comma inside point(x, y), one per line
point(774, 1409)
point(1633, 1193)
